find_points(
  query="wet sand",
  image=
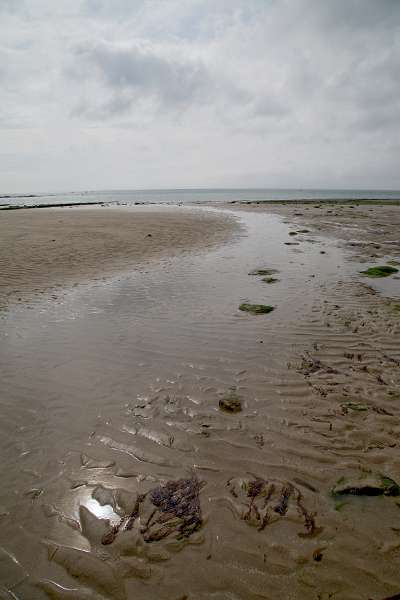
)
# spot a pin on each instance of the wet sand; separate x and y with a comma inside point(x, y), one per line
point(49, 248)
point(110, 410)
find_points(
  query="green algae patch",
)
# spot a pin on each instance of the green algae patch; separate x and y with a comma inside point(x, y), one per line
point(382, 271)
point(263, 272)
point(269, 279)
point(256, 309)
point(354, 406)
point(292, 232)
point(369, 484)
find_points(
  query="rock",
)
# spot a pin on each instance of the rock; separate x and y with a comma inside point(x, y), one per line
point(231, 403)
point(368, 484)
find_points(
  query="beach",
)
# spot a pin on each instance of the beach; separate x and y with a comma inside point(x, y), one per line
point(157, 441)
point(49, 248)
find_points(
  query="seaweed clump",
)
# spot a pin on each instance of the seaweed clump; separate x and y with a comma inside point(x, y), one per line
point(171, 508)
point(263, 272)
point(382, 271)
point(263, 502)
point(269, 279)
point(367, 485)
point(256, 309)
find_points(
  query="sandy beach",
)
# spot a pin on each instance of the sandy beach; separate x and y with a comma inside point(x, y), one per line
point(159, 442)
point(49, 248)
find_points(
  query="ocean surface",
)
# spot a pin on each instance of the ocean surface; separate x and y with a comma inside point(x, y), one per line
point(187, 196)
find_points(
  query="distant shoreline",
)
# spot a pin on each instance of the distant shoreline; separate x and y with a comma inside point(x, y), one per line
point(307, 201)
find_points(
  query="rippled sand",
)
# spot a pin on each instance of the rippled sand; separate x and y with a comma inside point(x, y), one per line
point(50, 248)
point(123, 479)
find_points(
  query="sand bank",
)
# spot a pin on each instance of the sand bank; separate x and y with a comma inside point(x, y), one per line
point(56, 247)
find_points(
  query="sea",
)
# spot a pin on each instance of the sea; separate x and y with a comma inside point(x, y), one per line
point(193, 196)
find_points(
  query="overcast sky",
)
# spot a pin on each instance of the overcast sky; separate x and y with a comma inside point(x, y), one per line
point(98, 94)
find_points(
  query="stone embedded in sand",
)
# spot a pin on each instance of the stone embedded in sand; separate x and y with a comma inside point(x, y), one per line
point(256, 309)
point(369, 484)
point(382, 271)
point(231, 403)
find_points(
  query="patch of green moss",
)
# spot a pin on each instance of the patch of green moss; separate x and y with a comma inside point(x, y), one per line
point(256, 309)
point(382, 271)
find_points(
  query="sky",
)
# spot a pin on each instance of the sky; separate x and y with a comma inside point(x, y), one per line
point(125, 94)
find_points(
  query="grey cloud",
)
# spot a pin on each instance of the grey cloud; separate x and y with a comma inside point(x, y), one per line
point(137, 72)
point(282, 88)
point(147, 78)
point(356, 14)
point(11, 6)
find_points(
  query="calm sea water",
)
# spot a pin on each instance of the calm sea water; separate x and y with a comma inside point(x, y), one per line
point(186, 196)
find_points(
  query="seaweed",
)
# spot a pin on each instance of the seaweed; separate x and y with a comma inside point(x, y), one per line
point(357, 406)
point(382, 271)
point(256, 309)
point(264, 502)
point(366, 485)
point(174, 509)
point(261, 272)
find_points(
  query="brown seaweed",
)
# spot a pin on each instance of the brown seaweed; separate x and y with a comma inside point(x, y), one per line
point(174, 509)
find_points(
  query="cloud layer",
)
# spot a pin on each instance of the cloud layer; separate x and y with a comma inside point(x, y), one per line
point(129, 93)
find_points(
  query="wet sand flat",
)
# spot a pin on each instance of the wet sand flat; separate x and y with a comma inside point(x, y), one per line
point(127, 480)
point(41, 249)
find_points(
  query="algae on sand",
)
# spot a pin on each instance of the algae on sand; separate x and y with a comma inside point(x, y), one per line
point(382, 271)
point(256, 309)
point(368, 484)
point(269, 279)
point(263, 272)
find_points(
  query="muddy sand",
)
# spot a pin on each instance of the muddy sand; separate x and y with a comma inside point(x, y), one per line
point(158, 442)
